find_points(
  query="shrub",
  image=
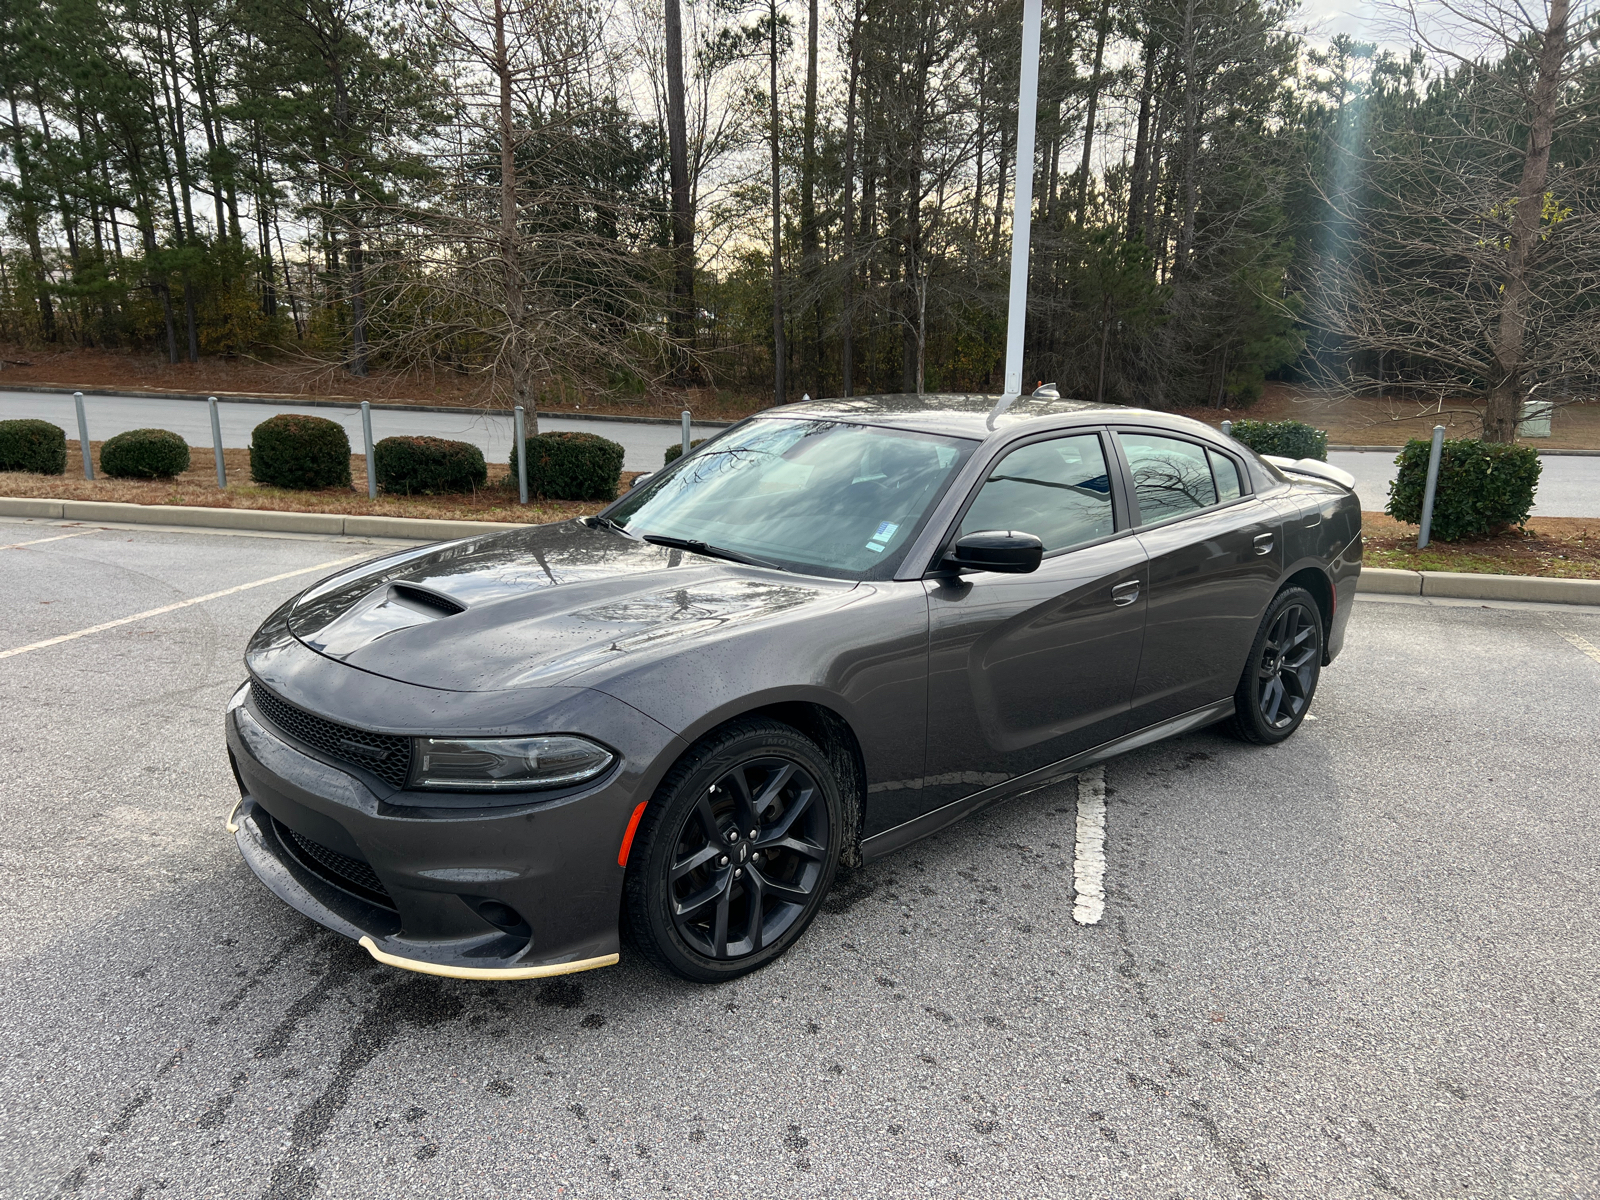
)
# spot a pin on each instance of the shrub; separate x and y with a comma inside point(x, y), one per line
point(32, 445)
point(675, 451)
point(145, 454)
point(428, 466)
point(1483, 486)
point(571, 466)
point(1288, 439)
point(298, 451)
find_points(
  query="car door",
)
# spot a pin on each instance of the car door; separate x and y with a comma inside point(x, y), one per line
point(1215, 554)
point(1025, 670)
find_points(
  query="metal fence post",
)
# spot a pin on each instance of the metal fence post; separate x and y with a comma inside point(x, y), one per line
point(216, 441)
point(366, 437)
point(1431, 487)
point(83, 436)
point(1227, 429)
point(522, 455)
point(686, 431)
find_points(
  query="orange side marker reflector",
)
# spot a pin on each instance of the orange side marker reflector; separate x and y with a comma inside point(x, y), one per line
point(627, 838)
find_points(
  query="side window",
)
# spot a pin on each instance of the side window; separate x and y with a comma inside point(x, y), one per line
point(1170, 477)
point(1226, 472)
point(1059, 491)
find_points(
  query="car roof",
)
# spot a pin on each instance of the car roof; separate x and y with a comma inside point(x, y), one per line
point(965, 414)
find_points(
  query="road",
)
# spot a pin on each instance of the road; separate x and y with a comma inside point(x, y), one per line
point(1569, 485)
point(1362, 964)
point(644, 442)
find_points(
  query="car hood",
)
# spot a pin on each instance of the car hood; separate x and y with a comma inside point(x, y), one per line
point(535, 606)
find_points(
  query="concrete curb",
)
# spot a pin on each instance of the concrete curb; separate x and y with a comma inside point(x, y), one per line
point(1462, 585)
point(377, 405)
point(256, 520)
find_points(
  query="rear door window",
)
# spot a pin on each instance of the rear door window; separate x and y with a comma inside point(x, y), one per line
point(1170, 476)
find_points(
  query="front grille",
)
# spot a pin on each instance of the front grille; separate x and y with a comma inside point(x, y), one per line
point(384, 754)
point(349, 873)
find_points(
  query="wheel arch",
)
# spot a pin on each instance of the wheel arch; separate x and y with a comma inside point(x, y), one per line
point(1315, 580)
point(830, 730)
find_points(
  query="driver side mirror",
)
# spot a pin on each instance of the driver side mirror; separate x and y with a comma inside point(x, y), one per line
point(1002, 550)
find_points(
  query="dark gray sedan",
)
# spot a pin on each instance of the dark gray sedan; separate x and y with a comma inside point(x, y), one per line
point(830, 631)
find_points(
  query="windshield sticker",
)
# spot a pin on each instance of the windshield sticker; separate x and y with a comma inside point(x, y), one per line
point(885, 532)
point(874, 547)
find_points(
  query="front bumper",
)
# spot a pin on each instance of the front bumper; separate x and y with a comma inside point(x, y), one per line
point(513, 891)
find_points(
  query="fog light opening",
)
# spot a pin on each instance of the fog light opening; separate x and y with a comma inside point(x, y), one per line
point(502, 916)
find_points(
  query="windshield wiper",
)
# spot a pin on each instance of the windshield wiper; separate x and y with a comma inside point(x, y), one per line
point(608, 523)
point(698, 547)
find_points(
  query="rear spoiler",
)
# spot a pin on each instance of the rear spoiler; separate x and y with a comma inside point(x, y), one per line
point(1315, 469)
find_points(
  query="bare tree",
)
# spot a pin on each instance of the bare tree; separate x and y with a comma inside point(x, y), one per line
point(1468, 256)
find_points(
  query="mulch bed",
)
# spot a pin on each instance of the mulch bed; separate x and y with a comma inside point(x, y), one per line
point(198, 487)
point(1566, 547)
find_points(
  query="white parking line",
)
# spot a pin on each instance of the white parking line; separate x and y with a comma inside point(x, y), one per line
point(1583, 644)
point(60, 537)
point(166, 608)
point(1089, 856)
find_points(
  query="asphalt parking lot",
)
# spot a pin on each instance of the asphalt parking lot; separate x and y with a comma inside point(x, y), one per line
point(1364, 963)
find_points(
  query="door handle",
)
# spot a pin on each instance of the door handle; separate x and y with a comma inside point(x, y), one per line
point(1263, 543)
point(1125, 593)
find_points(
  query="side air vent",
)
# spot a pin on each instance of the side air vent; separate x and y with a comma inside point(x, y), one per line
point(432, 603)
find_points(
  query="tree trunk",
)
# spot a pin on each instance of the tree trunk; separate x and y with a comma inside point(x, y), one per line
point(28, 213)
point(779, 343)
point(1094, 100)
point(808, 200)
point(682, 212)
point(1505, 401)
point(1138, 176)
point(847, 336)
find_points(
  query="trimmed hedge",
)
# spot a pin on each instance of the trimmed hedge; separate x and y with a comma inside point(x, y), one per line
point(1288, 439)
point(1483, 486)
point(675, 451)
point(298, 451)
point(571, 466)
point(428, 466)
point(145, 454)
point(33, 445)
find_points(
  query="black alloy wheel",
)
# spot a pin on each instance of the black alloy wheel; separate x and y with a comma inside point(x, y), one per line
point(735, 853)
point(1281, 675)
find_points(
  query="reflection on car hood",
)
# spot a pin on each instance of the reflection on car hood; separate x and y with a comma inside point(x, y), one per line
point(533, 607)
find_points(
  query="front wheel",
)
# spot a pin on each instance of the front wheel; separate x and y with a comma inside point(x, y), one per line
point(735, 852)
point(1280, 677)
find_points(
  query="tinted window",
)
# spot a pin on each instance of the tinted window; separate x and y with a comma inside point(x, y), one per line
point(1059, 491)
point(1226, 472)
point(820, 496)
point(1169, 477)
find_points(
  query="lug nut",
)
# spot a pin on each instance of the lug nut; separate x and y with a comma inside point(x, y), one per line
point(733, 836)
point(723, 861)
point(738, 874)
point(755, 833)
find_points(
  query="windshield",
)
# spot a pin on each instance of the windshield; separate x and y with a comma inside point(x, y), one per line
point(816, 496)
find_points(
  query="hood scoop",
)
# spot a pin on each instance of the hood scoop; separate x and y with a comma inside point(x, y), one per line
point(386, 609)
point(434, 604)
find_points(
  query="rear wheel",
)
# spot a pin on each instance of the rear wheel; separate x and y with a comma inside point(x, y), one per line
point(735, 852)
point(1280, 677)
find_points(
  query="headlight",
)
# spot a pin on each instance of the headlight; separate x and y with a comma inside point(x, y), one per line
point(507, 764)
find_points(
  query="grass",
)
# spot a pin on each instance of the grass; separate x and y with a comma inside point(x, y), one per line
point(1558, 547)
point(198, 487)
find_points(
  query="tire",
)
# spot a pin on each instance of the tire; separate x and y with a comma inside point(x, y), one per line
point(695, 877)
point(1280, 676)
